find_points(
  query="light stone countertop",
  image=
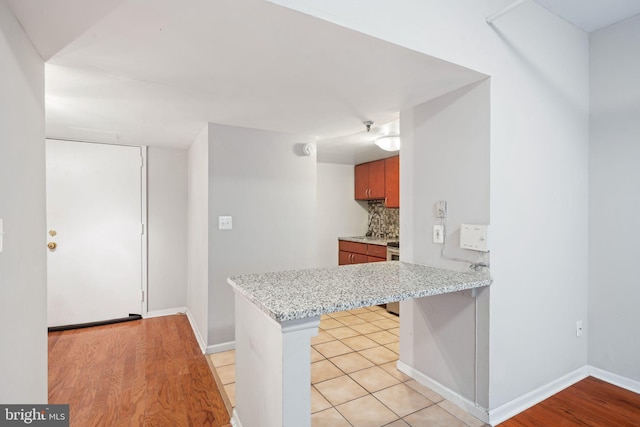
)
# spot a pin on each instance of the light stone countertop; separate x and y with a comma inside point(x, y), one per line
point(369, 240)
point(299, 294)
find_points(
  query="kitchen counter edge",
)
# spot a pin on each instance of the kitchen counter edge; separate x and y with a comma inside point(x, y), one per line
point(369, 240)
point(300, 294)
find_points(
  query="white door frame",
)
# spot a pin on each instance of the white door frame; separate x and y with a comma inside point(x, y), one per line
point(144, 309)
point(144, 273)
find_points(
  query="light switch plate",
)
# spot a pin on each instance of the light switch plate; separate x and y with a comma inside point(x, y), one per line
point(438, 233)
point(225, 223)
point(474, 237)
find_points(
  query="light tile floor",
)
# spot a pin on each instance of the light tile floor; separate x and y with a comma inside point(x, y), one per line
point(354, 380)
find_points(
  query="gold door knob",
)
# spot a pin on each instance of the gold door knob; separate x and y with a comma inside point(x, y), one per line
point(52, 245)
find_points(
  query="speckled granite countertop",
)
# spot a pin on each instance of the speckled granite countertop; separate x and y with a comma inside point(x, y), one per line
point(369, 240)
point(299, 294)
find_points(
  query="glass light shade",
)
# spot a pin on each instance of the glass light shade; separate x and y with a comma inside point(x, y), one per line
point(389, 142)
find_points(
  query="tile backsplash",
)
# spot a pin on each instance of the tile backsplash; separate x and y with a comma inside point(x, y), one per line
point(383, 222)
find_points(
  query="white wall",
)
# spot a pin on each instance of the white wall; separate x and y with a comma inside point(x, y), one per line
point(443, 160)
point(260, 179)
point(23, 289)
point(614, 199)
point(538, 65)
point(197, 234)
point(339, 214)
point(167, 224)
point(446, 161)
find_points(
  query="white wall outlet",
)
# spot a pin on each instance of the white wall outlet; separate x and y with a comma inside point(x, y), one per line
point(441, 209)
point(578, 328)
point(473, 237)
point(224, 223)
point(438, 234)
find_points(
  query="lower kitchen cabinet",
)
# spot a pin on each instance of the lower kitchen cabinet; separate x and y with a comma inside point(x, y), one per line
point(345, 258)
point(360, 253)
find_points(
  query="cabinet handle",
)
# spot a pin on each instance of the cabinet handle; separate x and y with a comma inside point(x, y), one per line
point(351, 258)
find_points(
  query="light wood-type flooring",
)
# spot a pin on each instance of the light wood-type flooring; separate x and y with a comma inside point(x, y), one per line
point(588, 403)
point(147, 372)
point(151, 373)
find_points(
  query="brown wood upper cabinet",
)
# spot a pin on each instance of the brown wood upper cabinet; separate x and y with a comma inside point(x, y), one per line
point(392, 182)
point(369, 178)
point(379, 180)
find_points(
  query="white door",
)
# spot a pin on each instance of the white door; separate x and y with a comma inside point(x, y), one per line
point(94, 216)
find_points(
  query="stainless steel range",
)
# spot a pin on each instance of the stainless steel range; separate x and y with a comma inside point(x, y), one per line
point(393, 254)
point(393, 251)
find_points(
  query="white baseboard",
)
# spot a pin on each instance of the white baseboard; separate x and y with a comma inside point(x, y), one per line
point(219, 348)
point(469, 406)
point(615, 379)
point(510, 409)
point(216, 348)
point(167, 312)
point(201, 341)
point(235, 421)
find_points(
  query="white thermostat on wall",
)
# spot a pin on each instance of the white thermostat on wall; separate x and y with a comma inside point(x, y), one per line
point(474, 237)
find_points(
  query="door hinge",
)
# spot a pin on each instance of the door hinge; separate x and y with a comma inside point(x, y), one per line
point(142, 300)
point(141, 228)
point(141, 161)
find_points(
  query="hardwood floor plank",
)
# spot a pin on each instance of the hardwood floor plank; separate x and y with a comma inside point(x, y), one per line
point(206, 390)
point(143, 373)
point(590, 402)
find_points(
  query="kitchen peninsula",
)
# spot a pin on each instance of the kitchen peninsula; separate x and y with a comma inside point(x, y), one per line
point(278, 313)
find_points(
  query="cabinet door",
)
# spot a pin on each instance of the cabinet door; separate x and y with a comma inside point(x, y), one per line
point(377, 251)
point(354, 247)
point(392, 182)
point(359, 259)
point(376, 179)
point(344, 258)
point(361, 178)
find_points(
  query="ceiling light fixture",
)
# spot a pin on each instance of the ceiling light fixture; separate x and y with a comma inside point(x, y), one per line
point(388, 142)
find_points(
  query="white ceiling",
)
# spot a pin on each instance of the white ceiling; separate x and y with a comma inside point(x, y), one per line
point(592, 15)
point(153, 72)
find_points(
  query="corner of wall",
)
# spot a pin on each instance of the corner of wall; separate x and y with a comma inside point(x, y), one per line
point(23, 306)
point(198, 234)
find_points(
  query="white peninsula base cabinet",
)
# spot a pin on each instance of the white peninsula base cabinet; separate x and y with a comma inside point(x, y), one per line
point(277, 314)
